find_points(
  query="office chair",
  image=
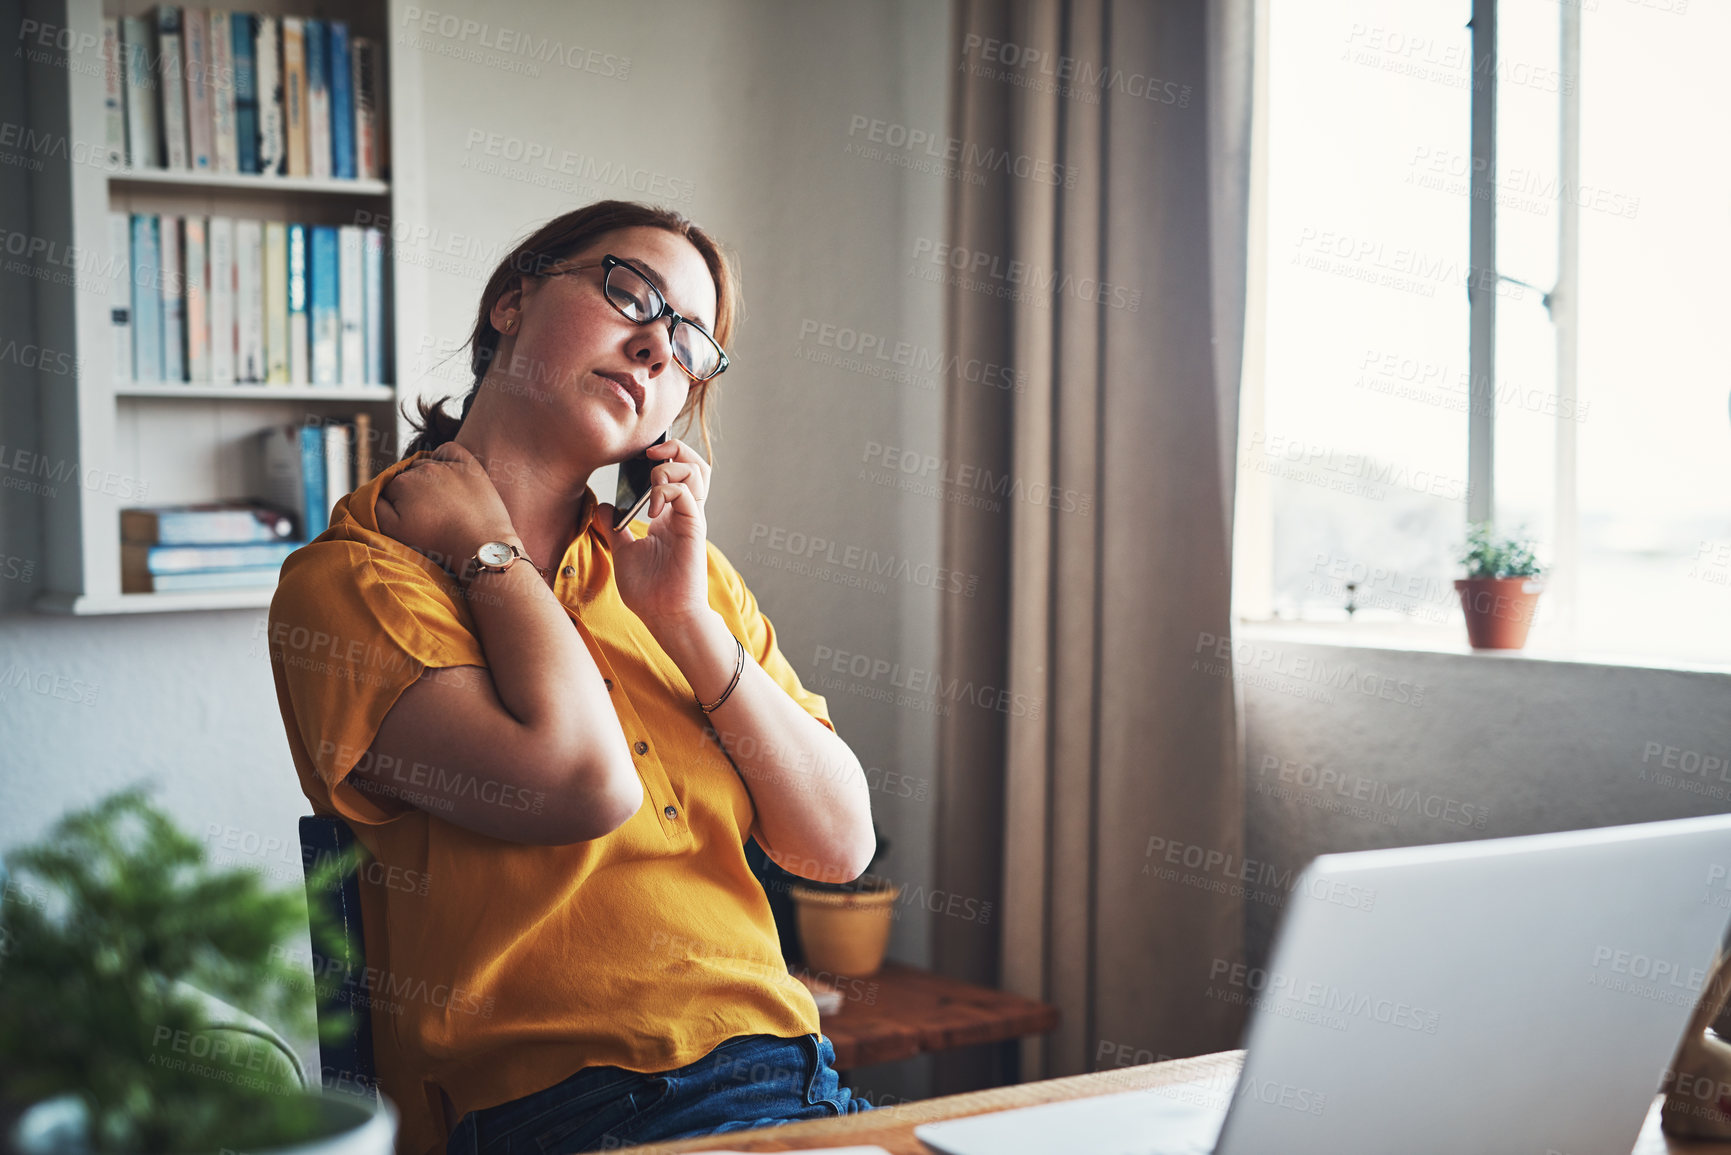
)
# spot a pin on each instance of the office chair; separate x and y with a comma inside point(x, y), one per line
point(346, 1061)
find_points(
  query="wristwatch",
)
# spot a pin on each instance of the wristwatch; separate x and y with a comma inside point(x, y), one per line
point(493, 557)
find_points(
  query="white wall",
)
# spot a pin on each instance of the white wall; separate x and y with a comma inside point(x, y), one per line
point(749, 105)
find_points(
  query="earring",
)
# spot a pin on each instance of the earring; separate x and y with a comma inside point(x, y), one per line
point(509, 321)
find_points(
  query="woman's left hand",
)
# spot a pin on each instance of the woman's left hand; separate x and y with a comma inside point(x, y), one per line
point(665, 575)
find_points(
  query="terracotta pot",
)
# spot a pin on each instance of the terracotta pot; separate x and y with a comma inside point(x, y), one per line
point(846, 932)
point(1499, 611)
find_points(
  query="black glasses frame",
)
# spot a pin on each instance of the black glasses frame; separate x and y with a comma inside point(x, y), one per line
point(609, 263)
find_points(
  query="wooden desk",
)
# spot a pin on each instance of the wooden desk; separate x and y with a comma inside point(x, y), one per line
point(892, 1128)
point(903, 1011)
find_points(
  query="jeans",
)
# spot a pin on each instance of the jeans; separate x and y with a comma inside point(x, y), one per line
point(748, 1081)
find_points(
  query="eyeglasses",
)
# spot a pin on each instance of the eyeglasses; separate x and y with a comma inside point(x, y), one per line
point(630, 292)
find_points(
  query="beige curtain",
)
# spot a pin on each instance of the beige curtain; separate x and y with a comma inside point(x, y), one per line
point(1126, 333)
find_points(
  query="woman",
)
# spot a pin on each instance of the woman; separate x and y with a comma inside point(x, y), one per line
point(554, 738)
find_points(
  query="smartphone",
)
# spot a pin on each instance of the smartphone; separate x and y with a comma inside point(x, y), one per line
point(634, 486)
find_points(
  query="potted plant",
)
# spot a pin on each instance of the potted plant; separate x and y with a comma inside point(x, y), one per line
point(1501, 590)
point(844, 927)
point(119, 945)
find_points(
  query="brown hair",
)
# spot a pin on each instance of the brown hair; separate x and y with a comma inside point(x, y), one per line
point(553, 243)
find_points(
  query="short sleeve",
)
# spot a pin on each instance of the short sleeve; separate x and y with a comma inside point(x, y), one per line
point(350, 628)
point(729, 596)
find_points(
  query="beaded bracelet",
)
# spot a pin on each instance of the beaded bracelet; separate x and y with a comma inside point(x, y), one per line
point(738, 669)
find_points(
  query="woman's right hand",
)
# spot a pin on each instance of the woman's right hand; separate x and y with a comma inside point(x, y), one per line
point(444, 505)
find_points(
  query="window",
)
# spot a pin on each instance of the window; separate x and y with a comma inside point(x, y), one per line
point(1356, 454)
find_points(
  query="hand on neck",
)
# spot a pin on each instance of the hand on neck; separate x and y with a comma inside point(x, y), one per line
point(542, 491)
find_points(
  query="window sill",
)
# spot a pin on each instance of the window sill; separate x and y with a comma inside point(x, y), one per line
point(1402, 637)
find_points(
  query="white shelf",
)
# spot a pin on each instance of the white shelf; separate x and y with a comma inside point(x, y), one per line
point(80, 605)
point(108, 439)
point(186, 391)
point(178, 178)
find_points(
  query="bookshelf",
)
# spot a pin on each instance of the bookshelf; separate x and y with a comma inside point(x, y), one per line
point(109, 442)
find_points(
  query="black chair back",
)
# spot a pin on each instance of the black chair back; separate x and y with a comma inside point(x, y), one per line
point(347, 1061)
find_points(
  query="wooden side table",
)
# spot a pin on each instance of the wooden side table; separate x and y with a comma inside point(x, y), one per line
point(903, 1011)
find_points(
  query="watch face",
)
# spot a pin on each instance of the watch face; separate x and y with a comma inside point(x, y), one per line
point(494, 553)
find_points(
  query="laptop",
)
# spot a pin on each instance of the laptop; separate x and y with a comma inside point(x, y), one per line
point(1513, 994)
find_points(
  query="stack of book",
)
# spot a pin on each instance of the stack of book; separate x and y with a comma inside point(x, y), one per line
point(207, 90)
point(300, 472)
point(218, 545)
point(216, 301)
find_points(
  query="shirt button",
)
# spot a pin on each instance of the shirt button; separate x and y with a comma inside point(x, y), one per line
point(569, 570)
point(642, 747)
point(671, 812)
point(609, 682)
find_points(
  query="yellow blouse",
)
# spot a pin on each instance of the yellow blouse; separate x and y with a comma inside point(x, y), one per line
point(496, 969)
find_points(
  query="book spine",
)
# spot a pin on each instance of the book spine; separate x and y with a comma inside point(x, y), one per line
point(195, 29)
point(249, 301)
point(342, 103)
point(318, 57)
point(276, 329)
point(143, 129)
point(373, 309)
point(245, 51)
point(120, 292)
point(113, 92)
point(146, 297)
point(351, 306)
point(299, 369)
point(339, 466)
point(197, 303)
point(222, 135)
point(172, 73)
point(250, 577)
point(364, 454)
point(326, 320)
point(278, 473)
point(294, 93)
point(173, 301)
point(267, 65)
point(365, 66)
point(312, 443)
point(220, 242)
point(160, 559)
point(246, 526)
